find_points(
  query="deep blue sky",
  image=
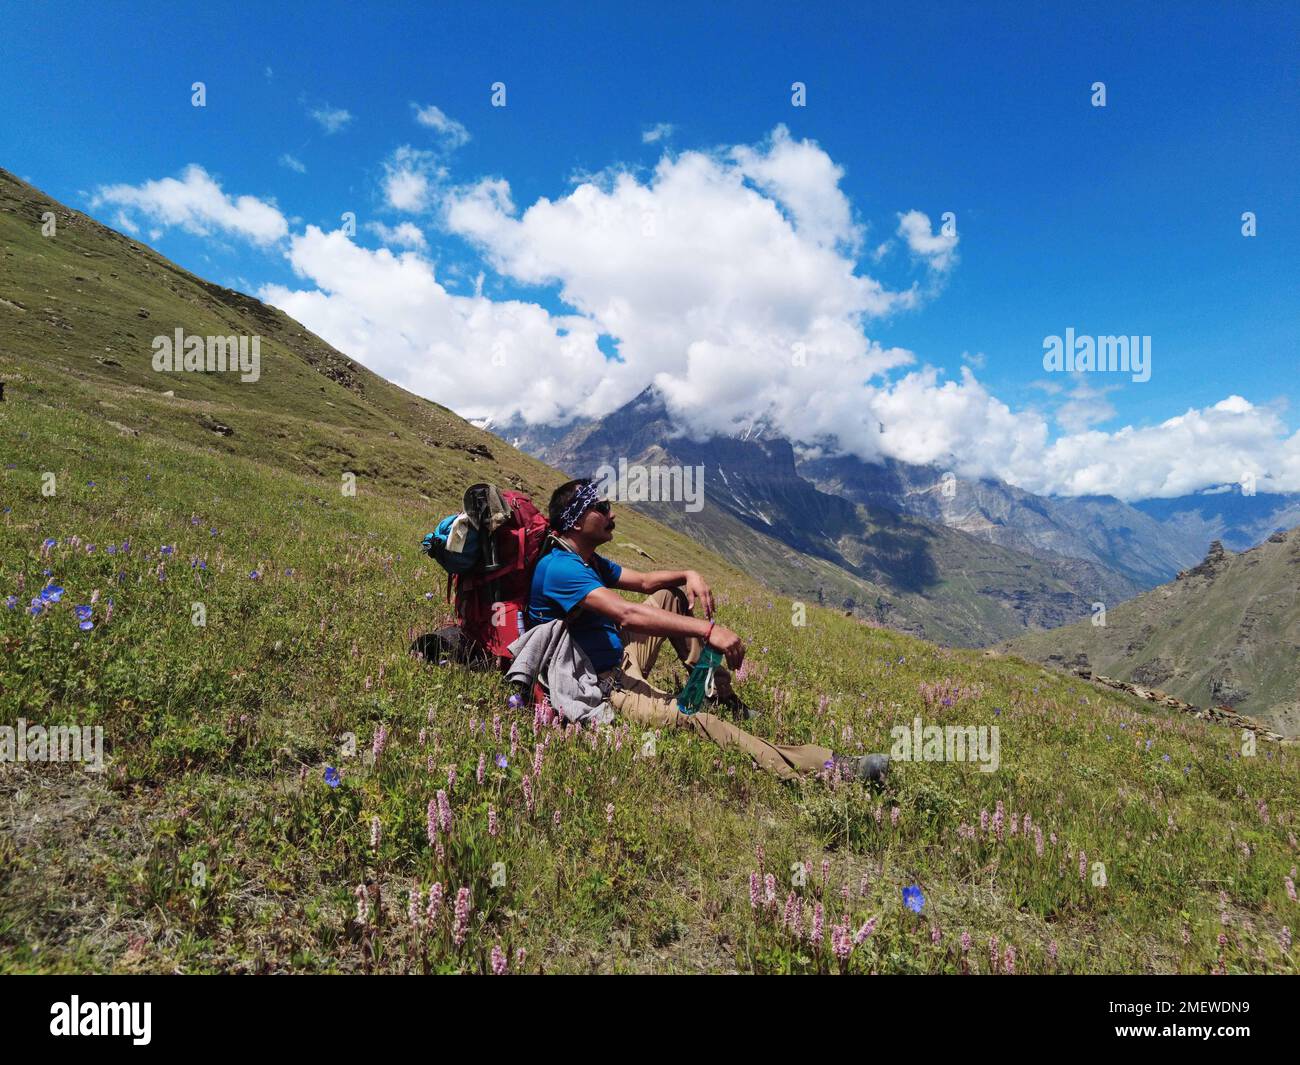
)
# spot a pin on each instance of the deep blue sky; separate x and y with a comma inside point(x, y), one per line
point(1122, 219)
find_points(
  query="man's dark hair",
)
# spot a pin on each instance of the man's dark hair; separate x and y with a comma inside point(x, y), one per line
point(560, 499)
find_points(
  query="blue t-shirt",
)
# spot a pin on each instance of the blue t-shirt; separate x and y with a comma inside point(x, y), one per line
point(560, 582)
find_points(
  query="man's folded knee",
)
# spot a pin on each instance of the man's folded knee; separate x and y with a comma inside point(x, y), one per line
point(673, 599)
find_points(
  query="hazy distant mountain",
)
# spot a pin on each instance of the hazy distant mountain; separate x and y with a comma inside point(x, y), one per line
point(902, 569)
point(1225, 513)
point(1101, 529)
point(1226, 632)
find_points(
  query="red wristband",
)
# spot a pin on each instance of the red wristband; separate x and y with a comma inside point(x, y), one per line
point(708, 634)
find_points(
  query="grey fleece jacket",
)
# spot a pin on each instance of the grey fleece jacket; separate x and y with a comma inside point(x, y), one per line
point(550, 652)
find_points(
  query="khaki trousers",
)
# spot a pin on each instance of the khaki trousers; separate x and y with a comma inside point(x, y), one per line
point(634, 698)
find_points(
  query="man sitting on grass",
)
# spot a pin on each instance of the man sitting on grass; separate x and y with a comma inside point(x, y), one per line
point(622, 639)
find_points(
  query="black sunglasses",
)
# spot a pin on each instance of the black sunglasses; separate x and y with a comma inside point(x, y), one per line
point(601, 507)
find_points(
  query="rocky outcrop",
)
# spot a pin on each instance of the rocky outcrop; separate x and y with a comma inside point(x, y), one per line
point(1215, 561)
point(1223, 715)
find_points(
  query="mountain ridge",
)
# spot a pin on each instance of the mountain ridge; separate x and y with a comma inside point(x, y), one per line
point(1224, 632)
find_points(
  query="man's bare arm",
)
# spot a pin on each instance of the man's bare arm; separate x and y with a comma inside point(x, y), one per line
point(643, 617)
point(629, 580)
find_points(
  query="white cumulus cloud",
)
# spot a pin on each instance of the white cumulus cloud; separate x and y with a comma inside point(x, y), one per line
point(412, 177)
point(330, 119)
point(450, 132)
point(404, 234)
point(196, 203)
point(938, 250)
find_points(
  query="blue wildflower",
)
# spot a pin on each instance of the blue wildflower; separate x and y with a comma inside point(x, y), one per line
point(36, 607)
point(254, 576)
point(11, 601)
point(501, 761)
point(164, 550)
point(332, 776)
point(49, 542)
point(51, 593)
point(82, 612)
point(913, 899)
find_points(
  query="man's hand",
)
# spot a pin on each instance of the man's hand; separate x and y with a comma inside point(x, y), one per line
point(697, 589)
point(724, 640)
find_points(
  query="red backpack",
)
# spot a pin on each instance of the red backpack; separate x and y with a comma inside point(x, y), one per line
point(490, 603)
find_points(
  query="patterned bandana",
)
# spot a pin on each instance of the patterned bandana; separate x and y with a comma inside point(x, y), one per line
point(588, 495)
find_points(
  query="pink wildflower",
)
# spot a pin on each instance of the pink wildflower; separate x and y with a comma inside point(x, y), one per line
point(787, 918)
point(492, 821)
point(444, 812)
point(754, 891)
point(864, 932)
point(498, 960)
point(435, 902)
point(815, 935)
point(460, 928)
point(841, 943)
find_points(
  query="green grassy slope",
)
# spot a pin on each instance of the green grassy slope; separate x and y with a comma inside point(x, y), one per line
point(212, 842)
point(1227, 631)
